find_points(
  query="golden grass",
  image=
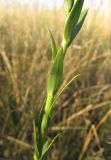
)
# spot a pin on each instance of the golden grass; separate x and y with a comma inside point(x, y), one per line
point(24, 60)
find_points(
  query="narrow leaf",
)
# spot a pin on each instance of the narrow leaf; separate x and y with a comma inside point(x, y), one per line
point(68, 5)
point(36, 152)
point(53, 45)
point(47, 146)
point(68, 83)
point(72, 21)
point(63, 89)
point(56, 74)
point(40, 140)
point(79, 24)
point(41, 115)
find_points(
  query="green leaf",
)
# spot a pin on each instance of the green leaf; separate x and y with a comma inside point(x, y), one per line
point(44, 124)
point(36, 152)
point(59, 94)
point(56, 74)
point(68, 83)
point(53, 45)
point(68, 5)
point(47, 146)
point(79, 24)
point(72, 21)
point(63, 89)
point(35, 157)
point(40, 140)
point(48, 104)
point(41, 116)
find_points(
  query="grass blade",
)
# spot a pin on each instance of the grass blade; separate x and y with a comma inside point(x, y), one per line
point(56, 73)
point(79, 24)
point(72, 21)
point(68, 5)
point(63, 89)
point(36, 152)
point(47, 146)
point(53, 45)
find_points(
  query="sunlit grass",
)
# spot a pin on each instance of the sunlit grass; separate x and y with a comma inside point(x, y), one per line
point(25, 56)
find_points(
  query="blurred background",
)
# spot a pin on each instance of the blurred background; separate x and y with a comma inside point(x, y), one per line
point(83, 113)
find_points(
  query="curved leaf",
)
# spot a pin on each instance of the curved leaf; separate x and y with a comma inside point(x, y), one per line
point(36, 152)
point(56, 74)
point(79, 24)
point(68, 5)
point(63, 89)
point(53, 45)
point(47, 146)
point(72, 21)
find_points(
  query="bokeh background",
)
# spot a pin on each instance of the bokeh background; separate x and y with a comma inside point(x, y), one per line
point(83, 113)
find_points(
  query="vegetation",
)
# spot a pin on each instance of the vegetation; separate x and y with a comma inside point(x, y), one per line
point(74, 21)
point(82, 114)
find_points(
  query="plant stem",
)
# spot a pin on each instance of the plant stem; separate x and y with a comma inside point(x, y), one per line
point(46, 115)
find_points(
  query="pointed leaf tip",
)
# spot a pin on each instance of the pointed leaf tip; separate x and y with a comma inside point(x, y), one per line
point(79, 24)
point(68, 5)
point(47, 146)
point(56, 73)
point(36, 152)
point(72, 21)
point(53, 45)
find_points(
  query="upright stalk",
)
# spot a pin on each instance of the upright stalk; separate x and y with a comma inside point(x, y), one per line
point(74, 21)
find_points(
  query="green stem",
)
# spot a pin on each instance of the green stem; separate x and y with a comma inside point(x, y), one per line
point(35, 157)
point(46, 115)
point(48, 104)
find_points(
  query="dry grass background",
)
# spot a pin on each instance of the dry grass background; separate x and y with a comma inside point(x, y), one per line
point(83, 113)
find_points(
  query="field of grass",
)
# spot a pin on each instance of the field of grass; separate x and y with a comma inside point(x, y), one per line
point(83, 113)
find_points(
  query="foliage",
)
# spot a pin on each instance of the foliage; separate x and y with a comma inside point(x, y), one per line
point(24, 60)
point(74, 22)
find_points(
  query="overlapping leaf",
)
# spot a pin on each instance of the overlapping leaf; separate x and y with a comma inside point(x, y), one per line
point(47, 146)
point(79, 24)
point(68, 5)
point(72, 21)
point(36, 152)
point(53, 45)
point(55, 76)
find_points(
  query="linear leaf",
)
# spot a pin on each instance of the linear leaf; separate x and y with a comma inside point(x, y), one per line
point(41, 116)
point(72, 20)
point(47, 146)
point(63, 89)
point(79, 24)
point(68, 83)
point(56, 74)
point(53, 45)
point(36, 152)
point(68, 5)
